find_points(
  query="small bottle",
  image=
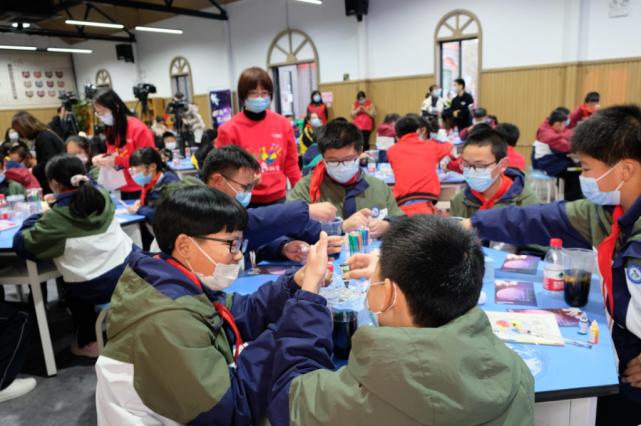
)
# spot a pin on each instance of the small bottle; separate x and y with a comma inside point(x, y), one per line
point(176, 157)
point(583, 323)
point(553, 269)
point(345, 273)
point(594, 333)
point(188, 153)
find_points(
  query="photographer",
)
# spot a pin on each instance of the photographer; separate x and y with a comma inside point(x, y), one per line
point(61, 125)
point(185, 119)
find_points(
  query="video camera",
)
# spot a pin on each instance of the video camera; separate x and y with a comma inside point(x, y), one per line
point(90, 90)
point(69, 99)
point(178, 105)
point(142, 91)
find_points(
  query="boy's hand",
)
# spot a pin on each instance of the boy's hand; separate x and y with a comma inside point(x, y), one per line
point(362, 265)
point(633, 373)
point(360, 218)
point(50, 199)
point(316, 267)
point(296, 250)
point(377, 227)
point(258, 178)
point(322, 212)
point(334, 244)
point(134, 208)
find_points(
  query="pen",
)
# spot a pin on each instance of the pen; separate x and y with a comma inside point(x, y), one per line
point(569, 341)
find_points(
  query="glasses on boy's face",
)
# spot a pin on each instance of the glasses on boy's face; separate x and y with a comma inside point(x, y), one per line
point(257, 94)
point(234, 245)
point(477, 167)
point(245, 188)
point(349, 162)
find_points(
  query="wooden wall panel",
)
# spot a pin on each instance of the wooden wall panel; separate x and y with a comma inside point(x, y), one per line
point(6, 116)
point(400, 95)
point(617, 82)
point(344, 96)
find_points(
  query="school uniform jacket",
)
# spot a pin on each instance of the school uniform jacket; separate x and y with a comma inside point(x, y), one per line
point(154, 196)
point(551, 149)
point(583, 224)
point(169, 359)
point(457, 374)
point(89, 252)
point(306, 139)
point(367, 192)
point(9, 187)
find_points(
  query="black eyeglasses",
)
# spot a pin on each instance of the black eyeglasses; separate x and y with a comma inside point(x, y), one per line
point(234, 245)
point(478, 168)
point(344, 162)
point(246, 188)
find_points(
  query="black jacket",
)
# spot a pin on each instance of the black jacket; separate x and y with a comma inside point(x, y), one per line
point(462, 104)
point(47, 145)
point(62, 129)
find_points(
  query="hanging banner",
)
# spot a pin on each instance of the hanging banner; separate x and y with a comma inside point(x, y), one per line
point(221, 106)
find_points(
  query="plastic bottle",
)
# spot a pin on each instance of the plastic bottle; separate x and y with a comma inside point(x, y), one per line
point(594, 333)
point(553, 269)
point(455, 136)
point(583, 323)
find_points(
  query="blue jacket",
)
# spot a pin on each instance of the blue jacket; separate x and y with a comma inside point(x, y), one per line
point(152, 199)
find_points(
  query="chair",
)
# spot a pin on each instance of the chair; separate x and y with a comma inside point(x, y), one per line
point(101, 317)
point(540, 180)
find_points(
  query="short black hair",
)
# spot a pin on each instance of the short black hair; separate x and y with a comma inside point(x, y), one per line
point(592, 97)
point(196, 211)
point(159, 119)
point(168, 134)
point(340, 120)
point(510, 133)
point(611, 135)
point(443, 277)
point(480, 113)
point(338, 135)
point(408, 124)
point(486, 136)
point(229, 158)
point(179, 95)
point(563, 109)
point(557, 117)
point(391, 118)
point(20, 148)
point(360, 94)
point(460, 81)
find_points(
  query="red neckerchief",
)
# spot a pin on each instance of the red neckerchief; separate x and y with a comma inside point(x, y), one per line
point(317, 179)
point(309, 126)
point(220, 308)
point(148, 187)
point(506, 183)
point(587, 111)
point(605, 252)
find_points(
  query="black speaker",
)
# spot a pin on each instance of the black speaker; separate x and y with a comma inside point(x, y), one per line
point(125, 52)
point(356, 7)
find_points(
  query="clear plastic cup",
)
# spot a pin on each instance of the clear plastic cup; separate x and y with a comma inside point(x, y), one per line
point(577, 276)
point(372, 153)
point(15, 201)
point(335, 227)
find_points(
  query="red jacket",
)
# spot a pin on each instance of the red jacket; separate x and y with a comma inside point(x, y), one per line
point(414, 164)
point(557, 141)
point(138, 136)
point(23, 176)
point(516, 159)
point(579, 114)
point(387, 130)
point(271, 141)
point(363, 121)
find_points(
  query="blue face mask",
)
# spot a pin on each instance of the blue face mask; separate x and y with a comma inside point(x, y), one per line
point(479, 181)
point(244, 198)
point(316, 122)
point(258, 105)
point(590, 188)
point(342, 173)
point(317, 98)
point(437, 93)
point(141, 179)
point(361, 101)
point(567, 122)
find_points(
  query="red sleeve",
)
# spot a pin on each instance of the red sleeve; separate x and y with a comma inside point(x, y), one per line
point(224, 138)
point(455, 165)
point(575, 117)
point(463, 134)
point(559, 143)
point(442, 150)
point(141, 137)
point(291, 160)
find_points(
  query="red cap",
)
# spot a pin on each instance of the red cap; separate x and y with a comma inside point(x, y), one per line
point(556, 242)
point(330, 266)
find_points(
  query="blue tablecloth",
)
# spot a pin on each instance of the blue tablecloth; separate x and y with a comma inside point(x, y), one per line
point(449, 177)
point(566, 372)
point(185, 164)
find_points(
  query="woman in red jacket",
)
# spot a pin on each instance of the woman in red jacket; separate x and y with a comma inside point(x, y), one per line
point(125, 134)
point(363, 115)
point(318, 107)
point(266, 135)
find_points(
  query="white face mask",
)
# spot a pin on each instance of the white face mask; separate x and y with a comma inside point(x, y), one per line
point(223, 276)
point(108, 119)
point(366, 302)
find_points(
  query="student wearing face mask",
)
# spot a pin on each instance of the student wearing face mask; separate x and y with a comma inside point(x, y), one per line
point(306, 137)
point(478, 116)
point(80, 147)
point(172, 328)
point(266, 135)
point(434, 104)
point(609, 220)
point(363, 114)
point(360, 199)
point(318, 107)
point(423, 296)
point(18, 167)
point(11, 137)
point(125, 134)
point(46, 143)
point(83, 237)
point(7, 185)
point(414, 164)
point(585, 110)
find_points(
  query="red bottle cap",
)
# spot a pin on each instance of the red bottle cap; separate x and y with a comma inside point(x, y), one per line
point(330, 267)
point(556, 242)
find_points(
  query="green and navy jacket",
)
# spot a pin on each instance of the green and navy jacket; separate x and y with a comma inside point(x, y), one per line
point(93, 172)
point(9, 187)
point(169, 358)
point(583, 224)
point(367, 192)
point(155, 195)
point(457, 374)
point(90, 252)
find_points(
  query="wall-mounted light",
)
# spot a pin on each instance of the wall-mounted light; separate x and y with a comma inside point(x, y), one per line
point(312, 1)
point(159, 30)
point(94, 24)
point(18, 47)
point(60, 49)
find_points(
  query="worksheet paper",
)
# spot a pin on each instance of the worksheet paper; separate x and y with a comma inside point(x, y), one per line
point(515, 327)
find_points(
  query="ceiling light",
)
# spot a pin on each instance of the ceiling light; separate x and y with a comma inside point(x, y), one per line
point(56, 49)
point(159, 30)
point(312, 1)
point(19, 47)
point(94, 24)
point(20, 24)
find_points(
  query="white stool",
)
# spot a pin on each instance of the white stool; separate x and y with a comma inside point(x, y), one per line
point(540, 180)
point(101, 317)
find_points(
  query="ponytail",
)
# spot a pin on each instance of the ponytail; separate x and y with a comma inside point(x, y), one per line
point(68, 171)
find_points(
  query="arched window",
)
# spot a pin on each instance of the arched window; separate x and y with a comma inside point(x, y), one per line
point(180, 74)
point(457, 46)
point(103, 79)
point(292, 61)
